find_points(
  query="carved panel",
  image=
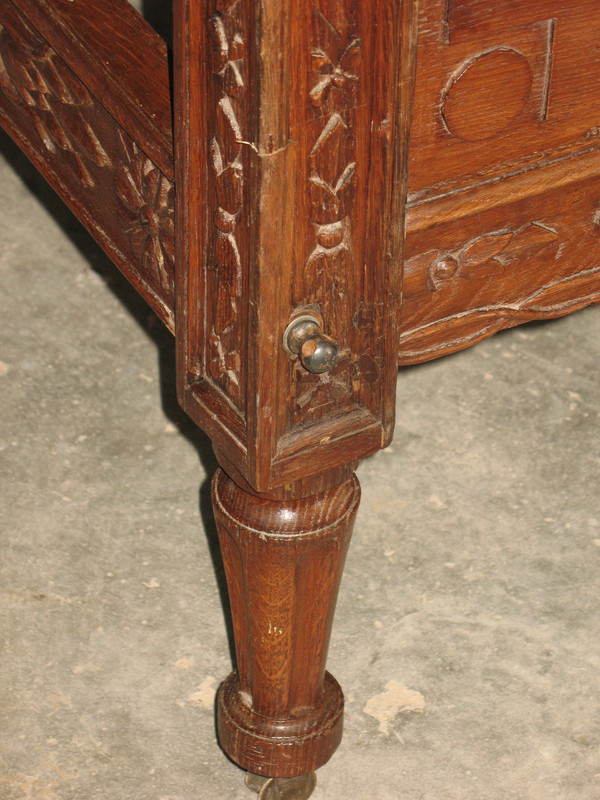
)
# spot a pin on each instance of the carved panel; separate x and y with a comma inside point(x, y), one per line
point(508, 72)
point(328, 276)
point(485, 256)
point(487, 94)
point(456, 295)
point(117, 191)
point(225, 156)
point(297, 129)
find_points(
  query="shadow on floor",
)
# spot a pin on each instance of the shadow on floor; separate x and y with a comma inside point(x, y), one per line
point(151, 326)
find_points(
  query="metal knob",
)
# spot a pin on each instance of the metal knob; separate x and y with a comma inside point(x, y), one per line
point(304, 338)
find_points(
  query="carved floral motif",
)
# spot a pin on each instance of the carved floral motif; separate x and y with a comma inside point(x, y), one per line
point(146, 201)
point(54, 97)
point(488, 254)
point(339, 75)
point(228, 54)
point(328, 272)
point(67, 119)
point(470, 278)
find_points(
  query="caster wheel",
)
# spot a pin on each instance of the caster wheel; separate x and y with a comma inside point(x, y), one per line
point(299, 788)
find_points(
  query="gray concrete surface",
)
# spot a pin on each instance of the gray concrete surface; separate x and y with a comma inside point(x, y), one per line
point(468, 628)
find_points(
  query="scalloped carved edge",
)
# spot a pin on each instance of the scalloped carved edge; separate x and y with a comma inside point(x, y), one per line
point(555, 299)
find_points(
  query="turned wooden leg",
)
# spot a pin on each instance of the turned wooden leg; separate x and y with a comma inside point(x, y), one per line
point(281, 713)
point(291, 142)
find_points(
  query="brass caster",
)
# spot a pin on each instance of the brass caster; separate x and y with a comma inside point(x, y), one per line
point(299, 788)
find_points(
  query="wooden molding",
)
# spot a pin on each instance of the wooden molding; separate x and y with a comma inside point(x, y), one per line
point(297, 126)
point(93, 161)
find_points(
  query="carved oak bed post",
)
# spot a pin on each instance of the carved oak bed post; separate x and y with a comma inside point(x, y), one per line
point(292, 121)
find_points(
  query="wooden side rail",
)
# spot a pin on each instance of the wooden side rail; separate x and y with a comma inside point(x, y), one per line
point(84, 91)
point(502, 223)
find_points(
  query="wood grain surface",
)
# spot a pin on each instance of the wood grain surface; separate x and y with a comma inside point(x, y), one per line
point(291, 167)
point(280, 714)
point(291, 146)
point(501, 222)
point(107, 152)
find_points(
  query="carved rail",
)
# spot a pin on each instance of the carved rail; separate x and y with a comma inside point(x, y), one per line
point(104, 145)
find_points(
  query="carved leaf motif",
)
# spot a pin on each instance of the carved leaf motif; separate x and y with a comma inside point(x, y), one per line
point(484, 256)
point(332, 151)
point(229, 189)
point(504, 246)
point(224, 363)
point(229, 264)
point(228, 136)
point(233, 81)
point(167, 240)
point(324, 202)
point(484, 248)
point(56, 99)
point(154, 256)
point(331, 157)
point(128, 190)
point(531, 238)
point(225, 312)
point(17, 79)
point(68, 88)
point(350, 61)
point(220, 49)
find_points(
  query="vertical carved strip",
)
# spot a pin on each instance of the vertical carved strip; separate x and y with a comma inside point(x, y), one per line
point(225, 153)
point(329, 271)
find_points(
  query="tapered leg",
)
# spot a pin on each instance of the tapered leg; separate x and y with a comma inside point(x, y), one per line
point(281, 713)
point(291, 142)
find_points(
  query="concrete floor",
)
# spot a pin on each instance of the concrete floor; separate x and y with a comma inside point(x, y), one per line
point(468, 627)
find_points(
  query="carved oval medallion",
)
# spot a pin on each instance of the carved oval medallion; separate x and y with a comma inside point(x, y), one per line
point(487, 95)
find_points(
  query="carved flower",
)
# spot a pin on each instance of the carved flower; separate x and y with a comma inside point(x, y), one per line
point(341, 75)
point(146, 198)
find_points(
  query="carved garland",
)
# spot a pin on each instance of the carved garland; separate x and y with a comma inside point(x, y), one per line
point(225, 149)
point(335, 60)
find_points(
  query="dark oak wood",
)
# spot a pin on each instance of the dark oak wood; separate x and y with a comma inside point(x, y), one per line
point(106, 150)
point(291, 145)
point(502, 220)
point(291, 141)
point(281, 714)
point(282, 194)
